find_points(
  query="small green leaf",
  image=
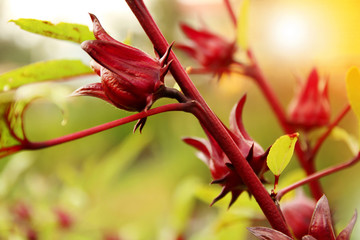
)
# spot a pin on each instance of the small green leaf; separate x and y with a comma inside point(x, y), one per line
point(64, 31)
point(243, 24)
point(353, 89)
point(43, 71)
point(340, 134)
point(281, 152)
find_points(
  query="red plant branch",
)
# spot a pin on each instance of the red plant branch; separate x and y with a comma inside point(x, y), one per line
point(209, 120)
point(28, 145)
point(231, 12)
point(317, 176)
point(321, 140)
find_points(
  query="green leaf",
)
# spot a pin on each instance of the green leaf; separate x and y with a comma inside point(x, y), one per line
point(243, 24)
point(340, 134)
point(281, 152)
point(353, 89)
point(64, 31)
point(43, 71)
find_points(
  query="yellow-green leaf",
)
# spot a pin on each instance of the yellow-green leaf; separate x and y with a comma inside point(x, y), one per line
point(342, 135)
point(42, 71)
point(353, 89)
point(281, 152)
point(243, 24)
point(64, 31)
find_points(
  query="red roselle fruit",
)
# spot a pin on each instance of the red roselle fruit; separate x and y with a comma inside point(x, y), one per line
point(130, 79)
point(213, 52)
point(220, 166)
point(298, 213)
point(320, 226)
point(310, 107)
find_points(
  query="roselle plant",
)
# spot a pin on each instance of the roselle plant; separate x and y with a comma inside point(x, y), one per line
point(132, 80)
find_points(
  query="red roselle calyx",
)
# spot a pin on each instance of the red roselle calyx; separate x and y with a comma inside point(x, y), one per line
point(298, 213)
point(130, 79)
point(220, 166)
point(310, 107)
point(320, 226)
point(213, 52)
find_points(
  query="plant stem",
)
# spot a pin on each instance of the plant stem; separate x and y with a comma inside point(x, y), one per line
point(6, 151)
point(321, 140)
point(28, 145)
point(209, 120)
point(231, 12)
point(255, 72)
point(317, 175)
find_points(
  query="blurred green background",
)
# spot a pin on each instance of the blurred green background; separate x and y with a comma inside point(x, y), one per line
point(151, 185)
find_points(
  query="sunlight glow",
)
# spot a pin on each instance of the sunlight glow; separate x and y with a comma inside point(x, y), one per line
point(290, 33)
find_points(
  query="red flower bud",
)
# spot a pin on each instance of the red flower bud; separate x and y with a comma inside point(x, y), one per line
point(310, 107)
point(320, 226)
point(298, 213)
point(64, 219)
point(130, 78)
point(212, 51)
point(220, 166)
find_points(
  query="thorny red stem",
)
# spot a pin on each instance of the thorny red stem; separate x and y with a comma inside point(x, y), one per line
point(209, 120)
point(231, 12)
point(321, 140)
point(318, 175)
point(255, 72)
point(73, 136)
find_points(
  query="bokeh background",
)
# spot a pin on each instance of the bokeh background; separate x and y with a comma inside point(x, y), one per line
point(120, 185)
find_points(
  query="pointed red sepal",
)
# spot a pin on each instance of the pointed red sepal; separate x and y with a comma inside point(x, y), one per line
point(200, 144)
point(197, 35)
point(321, 226)
point(140, 125)
point(234, 196)
point(239, 133)
point(222, 194)
point(220, 180)
point(99, 31)
point(268, 233)
point(345, 234)
point(236, 122)
point(164, 59)
point(92, 90)
point(212, 51)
